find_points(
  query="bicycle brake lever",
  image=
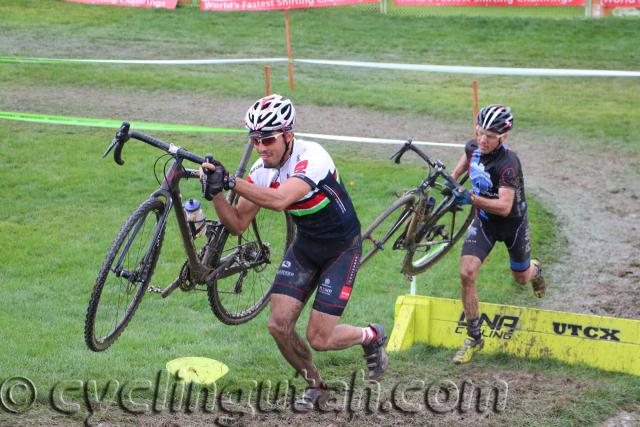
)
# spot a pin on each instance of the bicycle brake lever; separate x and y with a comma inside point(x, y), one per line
point(208, 158)
point(398, 154)
point(109, 148)
point(122, 136)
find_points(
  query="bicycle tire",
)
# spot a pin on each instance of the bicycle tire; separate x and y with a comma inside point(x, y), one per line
point(241, 296)
point(443, 218)
point(392, 219)
point(130, 247)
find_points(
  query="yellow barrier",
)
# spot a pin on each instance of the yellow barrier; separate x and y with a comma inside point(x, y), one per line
point(603, 342)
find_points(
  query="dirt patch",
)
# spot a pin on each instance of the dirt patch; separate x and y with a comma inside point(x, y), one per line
point(505, 398)
point(624, 419)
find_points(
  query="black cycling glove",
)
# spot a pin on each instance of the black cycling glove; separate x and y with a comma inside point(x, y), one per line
point(213, 182)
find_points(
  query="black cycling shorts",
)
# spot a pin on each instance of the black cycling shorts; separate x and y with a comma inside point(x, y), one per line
point(327, 265)
point(514, 232)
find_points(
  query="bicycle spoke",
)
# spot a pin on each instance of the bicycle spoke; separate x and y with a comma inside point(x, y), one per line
point(388, 230)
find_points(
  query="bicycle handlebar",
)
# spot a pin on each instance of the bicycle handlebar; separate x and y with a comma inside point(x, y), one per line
point(436, 164)
point(124, 134)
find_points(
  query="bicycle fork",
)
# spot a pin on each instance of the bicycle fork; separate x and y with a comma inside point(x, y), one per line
point(423, 209)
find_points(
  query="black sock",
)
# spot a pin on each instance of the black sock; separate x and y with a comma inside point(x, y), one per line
point(473, 328)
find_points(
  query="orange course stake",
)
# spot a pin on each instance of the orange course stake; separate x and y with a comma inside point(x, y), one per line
point(475, 103)
point(267, 79)
point(289, 53)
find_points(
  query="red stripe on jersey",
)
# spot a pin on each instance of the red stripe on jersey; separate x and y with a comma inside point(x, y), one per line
point(319, 197)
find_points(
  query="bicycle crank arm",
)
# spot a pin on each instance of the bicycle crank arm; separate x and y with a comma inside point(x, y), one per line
point(172, 287)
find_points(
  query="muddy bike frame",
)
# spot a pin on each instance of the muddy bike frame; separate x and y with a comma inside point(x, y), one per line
point(199, 271)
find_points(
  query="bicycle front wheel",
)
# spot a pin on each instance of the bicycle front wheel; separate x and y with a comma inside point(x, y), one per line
point(437, 235)
point(380, 234)
point(243, 288)
point(124, 275)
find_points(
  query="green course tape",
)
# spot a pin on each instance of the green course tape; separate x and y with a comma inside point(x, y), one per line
point(213, 61)
point(35, 60)
point(113, 124)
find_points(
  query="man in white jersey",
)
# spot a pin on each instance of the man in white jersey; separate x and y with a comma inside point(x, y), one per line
point(300, 177)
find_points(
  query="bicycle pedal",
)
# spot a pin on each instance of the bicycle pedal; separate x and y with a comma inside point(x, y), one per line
point(154, 289)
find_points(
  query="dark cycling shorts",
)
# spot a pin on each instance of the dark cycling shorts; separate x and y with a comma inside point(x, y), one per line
point(514, 232)
point(329, 266)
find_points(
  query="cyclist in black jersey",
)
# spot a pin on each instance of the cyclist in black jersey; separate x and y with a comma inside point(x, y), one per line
point(300, 177)
point(501, 215)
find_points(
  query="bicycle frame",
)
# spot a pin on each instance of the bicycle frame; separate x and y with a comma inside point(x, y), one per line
point(200, 272)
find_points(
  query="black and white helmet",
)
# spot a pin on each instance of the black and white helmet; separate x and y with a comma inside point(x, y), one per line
point(270, 113)
point(496, 118)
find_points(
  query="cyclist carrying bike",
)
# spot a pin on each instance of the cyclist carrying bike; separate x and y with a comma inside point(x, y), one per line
point(501, 215)
point(300, 177)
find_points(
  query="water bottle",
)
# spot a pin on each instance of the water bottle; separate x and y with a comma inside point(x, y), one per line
point(195, 218)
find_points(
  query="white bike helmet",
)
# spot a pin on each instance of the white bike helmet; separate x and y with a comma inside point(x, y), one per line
point(270, 113)
point(496, 118)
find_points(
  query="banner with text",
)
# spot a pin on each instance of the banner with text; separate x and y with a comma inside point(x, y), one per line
point(620, 3)
point(249, 5)
point(165, 4)
point(490, 2)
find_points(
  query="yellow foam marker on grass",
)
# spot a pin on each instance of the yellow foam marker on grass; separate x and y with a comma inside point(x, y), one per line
point(199, 370)
point(602, 342)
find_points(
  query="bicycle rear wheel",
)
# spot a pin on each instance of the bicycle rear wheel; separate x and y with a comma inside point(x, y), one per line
point(438, 234)
point(124, 276)
point(244, 287)
point(383, 228)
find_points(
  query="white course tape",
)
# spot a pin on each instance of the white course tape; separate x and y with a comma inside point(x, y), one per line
point(372, 140)
point(551, 72)
point(455, 69)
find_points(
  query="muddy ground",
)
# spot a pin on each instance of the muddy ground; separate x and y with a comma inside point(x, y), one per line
point(594, 195)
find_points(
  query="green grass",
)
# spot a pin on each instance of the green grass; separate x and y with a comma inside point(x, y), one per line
point(63, 204)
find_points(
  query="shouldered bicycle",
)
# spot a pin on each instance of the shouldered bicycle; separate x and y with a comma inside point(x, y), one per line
point(425, 222)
